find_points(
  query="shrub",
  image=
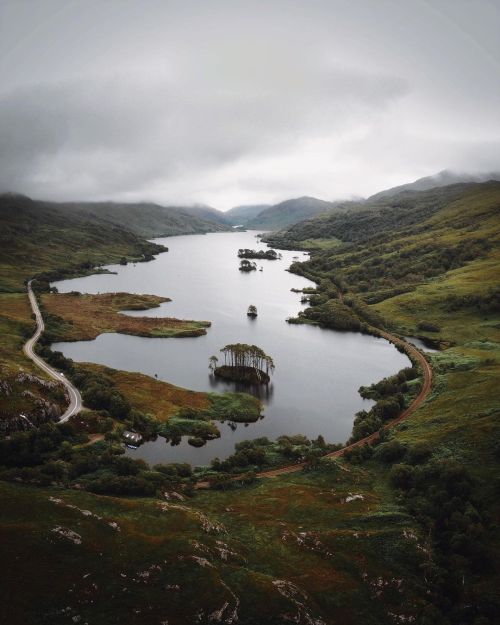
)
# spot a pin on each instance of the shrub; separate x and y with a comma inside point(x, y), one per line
point(401, 476)
point(390, 452)
point(427, 326)
point(419, 453)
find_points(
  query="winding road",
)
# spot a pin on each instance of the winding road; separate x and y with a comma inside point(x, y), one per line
point(75, 399)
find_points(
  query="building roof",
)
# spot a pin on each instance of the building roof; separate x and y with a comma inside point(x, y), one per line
point(132, 436)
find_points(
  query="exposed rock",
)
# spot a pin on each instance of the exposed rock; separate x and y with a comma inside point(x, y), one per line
point(5, 388)
point(298, 597)
point(352, 497)
point(70, 535)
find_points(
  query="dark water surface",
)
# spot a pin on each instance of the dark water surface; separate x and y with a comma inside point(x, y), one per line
point(318, 372)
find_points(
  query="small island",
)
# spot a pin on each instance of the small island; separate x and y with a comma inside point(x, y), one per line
point(260, 254)
point(243, 363)
point(246, 265)
point(252, 311)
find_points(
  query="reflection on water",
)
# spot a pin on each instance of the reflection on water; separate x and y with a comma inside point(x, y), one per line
point(264, 392)
point(318, 372)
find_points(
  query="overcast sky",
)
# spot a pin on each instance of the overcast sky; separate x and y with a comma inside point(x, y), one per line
point(238, 102)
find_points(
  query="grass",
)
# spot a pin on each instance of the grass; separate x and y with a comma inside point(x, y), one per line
point(160, 399)
point(178, 560)
point(15, 324)
point(84, 317)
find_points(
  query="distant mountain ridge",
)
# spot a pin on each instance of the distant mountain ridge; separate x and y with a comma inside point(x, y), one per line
point(441, 179)
point(288, 213)
point(363, 220)
point(146, 219)
point(240, 215)
point(207, 213)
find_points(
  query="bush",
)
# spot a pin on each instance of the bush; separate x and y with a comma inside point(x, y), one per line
point(196, 441)
point(359, 454)
point(427, 326)
point(419, 453)
point(401, 476)
point(390, 452)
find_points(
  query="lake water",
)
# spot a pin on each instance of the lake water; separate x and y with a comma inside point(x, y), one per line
point(318, 372)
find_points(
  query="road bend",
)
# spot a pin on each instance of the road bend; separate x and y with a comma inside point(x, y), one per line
point(75, 399)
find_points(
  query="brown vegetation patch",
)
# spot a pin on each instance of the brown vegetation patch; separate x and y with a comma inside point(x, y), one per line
point(148, 395)
point(87, 316)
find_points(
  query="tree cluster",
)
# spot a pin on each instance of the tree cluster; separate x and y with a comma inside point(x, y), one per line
point(246, 265)
point(243, 355)
point(260, 254)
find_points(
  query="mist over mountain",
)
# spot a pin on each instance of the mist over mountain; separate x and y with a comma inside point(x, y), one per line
point(441, 179)
point(240, 215)
point(207, 213)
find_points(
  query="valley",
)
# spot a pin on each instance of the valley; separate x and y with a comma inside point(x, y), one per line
point(383, 531)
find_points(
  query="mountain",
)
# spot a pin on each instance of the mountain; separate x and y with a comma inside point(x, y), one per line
point(364, 220)
point(146, 219)
point(288, 212)
point(207, 213)
point(240, 215)
point(442, 179)
point(43, 236)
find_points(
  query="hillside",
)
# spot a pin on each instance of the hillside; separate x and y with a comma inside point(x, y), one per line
point(441, 179)
point(360, 221)
point(150, 220)
point(288, 212)
point(43, 236)
point(207, 214)
point(240, 215)
point(427, 264)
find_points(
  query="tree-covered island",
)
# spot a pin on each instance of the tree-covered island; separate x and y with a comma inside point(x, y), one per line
point(247, 265)
point(243, 363)
point(260, 254)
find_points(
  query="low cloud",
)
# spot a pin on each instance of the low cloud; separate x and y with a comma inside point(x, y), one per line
point(102, 138)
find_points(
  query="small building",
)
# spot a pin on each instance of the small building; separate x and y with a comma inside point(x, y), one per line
point(132, 438)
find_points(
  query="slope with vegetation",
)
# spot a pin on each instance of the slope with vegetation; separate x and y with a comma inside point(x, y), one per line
point(152, 220)
point(240, 215)
point(442, 179)
point(208, 214)
point(427, 264)
point(288, 212)
point(41, 237)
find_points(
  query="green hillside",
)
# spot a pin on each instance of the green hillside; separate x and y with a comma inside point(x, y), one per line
point(360, 221)
point(41, 236)
point(287, 213)
point(428, 265)
point(151, 220)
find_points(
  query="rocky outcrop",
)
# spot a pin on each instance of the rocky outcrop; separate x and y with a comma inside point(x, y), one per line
point(35, 409)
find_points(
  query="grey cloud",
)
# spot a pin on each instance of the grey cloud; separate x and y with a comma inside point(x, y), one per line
point(248, 101)
point(102, 137)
